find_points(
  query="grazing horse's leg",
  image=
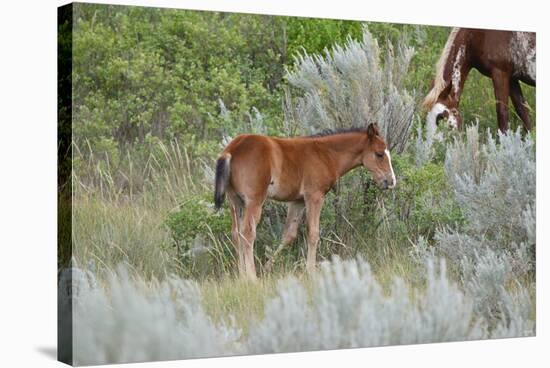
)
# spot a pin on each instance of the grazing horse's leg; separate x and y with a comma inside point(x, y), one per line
point(293, 220)
point(313, 212)
point(519, 103)
point(251, 218)
point(501, 84)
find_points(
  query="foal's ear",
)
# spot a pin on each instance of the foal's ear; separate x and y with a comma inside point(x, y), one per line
point(372, 130)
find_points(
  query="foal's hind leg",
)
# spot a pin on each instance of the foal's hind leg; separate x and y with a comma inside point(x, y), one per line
point(519, 103)
point(293, 221)
point(251, 218)
point(236, 208)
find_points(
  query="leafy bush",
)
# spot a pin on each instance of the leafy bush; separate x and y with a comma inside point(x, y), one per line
point(194, 217)
point(200, 235)
point(422, 198)
point(368, 219)
point(161, 71)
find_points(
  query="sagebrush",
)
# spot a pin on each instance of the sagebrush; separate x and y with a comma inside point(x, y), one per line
point(343, 306)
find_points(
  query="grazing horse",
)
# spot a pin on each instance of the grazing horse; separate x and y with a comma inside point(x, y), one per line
point(299, 170)
point(504, 56)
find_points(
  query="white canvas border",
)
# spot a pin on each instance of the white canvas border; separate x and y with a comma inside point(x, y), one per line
point(28, 179)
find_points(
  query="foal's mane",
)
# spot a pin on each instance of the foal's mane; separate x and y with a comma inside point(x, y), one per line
point(329, 132)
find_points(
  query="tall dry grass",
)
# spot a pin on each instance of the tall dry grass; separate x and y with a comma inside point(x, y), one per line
point(119, 208)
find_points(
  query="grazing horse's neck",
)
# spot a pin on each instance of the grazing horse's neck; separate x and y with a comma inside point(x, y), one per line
point(346, 150)
point(459, 69)
point(451, 71)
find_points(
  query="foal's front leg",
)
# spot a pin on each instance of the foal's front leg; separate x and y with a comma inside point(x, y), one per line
point(293, 220)
point(313, 212)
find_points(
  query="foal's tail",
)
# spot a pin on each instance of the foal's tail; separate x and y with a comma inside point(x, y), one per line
point(222, 179)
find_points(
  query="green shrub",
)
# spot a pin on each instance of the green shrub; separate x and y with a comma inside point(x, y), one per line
point(355, 212)
point(423, 197)
point(196, 217)
point(201, 236)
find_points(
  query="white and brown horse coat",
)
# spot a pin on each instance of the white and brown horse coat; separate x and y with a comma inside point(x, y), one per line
point(506, 57)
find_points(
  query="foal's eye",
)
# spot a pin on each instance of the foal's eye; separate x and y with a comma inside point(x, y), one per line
point(379, 154)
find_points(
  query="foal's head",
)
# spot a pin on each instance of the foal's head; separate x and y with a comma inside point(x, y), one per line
point(377, 159)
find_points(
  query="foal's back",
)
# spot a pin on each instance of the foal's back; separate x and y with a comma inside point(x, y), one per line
point(279, 168)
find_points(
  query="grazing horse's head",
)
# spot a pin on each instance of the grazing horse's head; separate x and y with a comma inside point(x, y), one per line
point(451, 71)
point(445, 109)
point(377, 159)
point(442, 105)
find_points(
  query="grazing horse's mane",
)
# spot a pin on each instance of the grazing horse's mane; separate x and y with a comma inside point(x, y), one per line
point(439, 83)
point(329, 132)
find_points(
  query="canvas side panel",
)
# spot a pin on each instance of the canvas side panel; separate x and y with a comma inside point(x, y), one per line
point(64, 185)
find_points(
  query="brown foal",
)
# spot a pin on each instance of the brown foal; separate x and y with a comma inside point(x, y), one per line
point(298, 170)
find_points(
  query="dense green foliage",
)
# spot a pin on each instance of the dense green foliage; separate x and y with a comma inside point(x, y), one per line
point(163, 72)
point(141, 71)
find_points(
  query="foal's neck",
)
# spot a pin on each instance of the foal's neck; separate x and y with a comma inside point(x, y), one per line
point(346, 150)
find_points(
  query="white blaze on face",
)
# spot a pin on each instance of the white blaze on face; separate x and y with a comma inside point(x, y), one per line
point(394, 181)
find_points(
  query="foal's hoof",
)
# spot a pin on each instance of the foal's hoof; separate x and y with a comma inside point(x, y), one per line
point(250, 278)
point(310, 269)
